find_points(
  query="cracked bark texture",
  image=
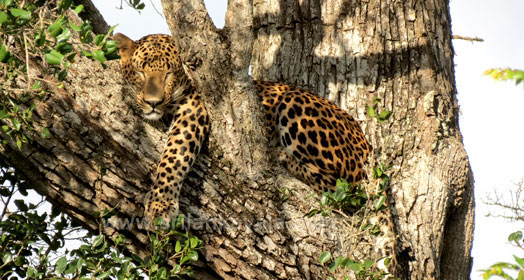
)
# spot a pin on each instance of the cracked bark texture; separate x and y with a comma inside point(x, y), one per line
point(101, 154)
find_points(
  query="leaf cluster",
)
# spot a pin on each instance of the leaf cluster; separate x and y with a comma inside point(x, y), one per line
point(350, 197)
point(505, 74)
point(367, 269)
point(35, 243)
point(501, 268)
point(373, 111)
point(30, 237)
point(40, 31)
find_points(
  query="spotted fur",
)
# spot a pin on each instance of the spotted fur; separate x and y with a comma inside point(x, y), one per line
point(320, 142)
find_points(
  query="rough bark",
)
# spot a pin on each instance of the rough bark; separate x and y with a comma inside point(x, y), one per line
point(352, 51)
point(102, 155)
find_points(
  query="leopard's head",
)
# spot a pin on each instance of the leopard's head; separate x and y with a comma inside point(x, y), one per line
point(153, 68)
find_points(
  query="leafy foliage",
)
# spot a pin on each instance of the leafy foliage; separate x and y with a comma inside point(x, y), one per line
point(501, 268)
point(350, 197)
point(40, 29)
point(33, 241)
point(368, 269)
point(136, 4)
point(373, 111)
point(504, 74)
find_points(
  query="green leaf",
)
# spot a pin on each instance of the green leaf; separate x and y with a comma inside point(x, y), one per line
point(21, 205)
point(371, 111)
point(45, 132)
point(355, 266)
point(16, 124)
point(99, 39)
point(19, 13)
point(346, 262)
point(120, 239)
point(515, 236)
point(64, 36)
point(137, 259)
point(336, 264)
point(387, 261)
point(74, 266)
point(368, 263)
point(64, 48)
point(521, 275)
point(339, 195)
point(62, 75)
point(194, 242)
point(3, 17)
point(378, 203)
point(3, 114)
point(60, 265)
point(31, 272)
point(104, 275)
point(179, 221)
point(7, 257)
point(56, 28)
point(324, 257)
point(519, 261)
point(384, 115)
point(99, 55)
point(193, 256)
point(313, 213)
point(4, 53)
point(79, 9)
point(36, 85)
point(40, 39)
point(54, 57)
point(97, 241)
point(162, 273)
point(19, 143)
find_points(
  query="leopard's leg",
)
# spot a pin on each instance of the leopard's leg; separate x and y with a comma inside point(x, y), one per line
point(188, 130)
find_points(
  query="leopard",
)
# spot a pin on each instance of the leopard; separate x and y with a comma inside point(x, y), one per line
point(319, 142)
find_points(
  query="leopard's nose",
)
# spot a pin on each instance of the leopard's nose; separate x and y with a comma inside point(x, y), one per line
point(153, 103)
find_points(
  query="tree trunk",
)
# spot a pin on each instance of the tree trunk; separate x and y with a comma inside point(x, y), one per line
point(102, 155)
point(399, 51)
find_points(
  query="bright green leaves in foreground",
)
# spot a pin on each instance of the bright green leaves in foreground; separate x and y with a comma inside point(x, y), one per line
point(59, 34)
point(501, 269)
point(361, 270)
point(504, 74)
point(33, 245)
point(351, 197)
point(32, 29)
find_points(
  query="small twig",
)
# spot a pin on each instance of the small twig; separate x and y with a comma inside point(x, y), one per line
point(156, 10)
point(28, 69)
point(465, 38)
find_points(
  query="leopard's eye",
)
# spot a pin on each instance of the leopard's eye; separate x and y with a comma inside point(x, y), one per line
point(141, 75)
point(170, 75)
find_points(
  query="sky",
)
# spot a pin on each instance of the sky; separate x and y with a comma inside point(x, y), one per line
point(491, 112)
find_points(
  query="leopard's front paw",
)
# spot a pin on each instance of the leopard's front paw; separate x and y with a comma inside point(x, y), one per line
point(160, 206)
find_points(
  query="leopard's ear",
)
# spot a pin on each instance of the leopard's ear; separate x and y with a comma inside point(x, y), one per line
point(126, 46)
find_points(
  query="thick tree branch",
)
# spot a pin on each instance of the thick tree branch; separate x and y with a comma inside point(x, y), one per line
point(92, 14)
point(221, 77)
